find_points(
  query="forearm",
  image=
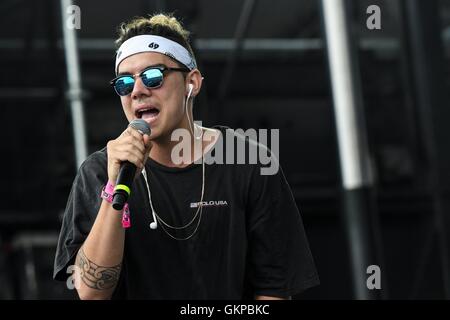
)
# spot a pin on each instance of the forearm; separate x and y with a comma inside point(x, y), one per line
point(99, 260)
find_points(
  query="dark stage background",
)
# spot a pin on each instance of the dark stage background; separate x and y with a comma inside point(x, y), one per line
point(279, 78)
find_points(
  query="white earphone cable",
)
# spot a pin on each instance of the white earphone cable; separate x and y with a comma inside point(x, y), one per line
point(156, 217)
point(186, 103)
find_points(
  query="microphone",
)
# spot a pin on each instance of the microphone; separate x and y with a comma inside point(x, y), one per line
point(127, 171)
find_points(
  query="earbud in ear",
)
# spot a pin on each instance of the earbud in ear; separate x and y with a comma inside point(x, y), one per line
point(191, 87)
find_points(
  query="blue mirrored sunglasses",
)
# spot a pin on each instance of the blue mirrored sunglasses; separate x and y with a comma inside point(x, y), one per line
point(152, 78)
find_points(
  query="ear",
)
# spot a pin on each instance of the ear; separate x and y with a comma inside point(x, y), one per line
point(194, 81)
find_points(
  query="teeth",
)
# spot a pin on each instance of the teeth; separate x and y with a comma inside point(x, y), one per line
point(141, 111)
point(148, 109)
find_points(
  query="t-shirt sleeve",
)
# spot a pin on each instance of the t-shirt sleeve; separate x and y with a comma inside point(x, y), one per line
point(279, 261)
point(80, 213)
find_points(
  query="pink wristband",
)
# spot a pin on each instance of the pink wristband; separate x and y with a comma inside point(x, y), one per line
point(109, 188)
point(108, 191)
point(126, 221)
point(107, 194)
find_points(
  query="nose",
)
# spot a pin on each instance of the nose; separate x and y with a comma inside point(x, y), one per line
point(139, 89)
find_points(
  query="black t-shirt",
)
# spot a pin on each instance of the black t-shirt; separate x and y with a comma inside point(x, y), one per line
point(250, 239)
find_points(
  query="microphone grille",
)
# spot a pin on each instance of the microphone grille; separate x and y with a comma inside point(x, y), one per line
point(140, 125)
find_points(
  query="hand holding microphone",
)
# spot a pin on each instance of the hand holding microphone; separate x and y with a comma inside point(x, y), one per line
point(126, 158)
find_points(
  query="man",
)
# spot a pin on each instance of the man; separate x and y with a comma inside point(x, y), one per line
point(198, 231)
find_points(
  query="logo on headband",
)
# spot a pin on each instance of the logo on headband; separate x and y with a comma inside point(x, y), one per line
point(153, 45)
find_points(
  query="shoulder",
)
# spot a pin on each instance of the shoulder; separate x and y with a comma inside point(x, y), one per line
point(94, 166)
point(98, 158)
point(250, 137)
point(250, 148)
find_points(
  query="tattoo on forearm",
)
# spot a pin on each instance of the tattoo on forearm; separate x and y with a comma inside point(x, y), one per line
point(95, 276)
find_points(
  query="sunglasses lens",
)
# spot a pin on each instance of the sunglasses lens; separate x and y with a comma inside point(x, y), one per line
point(124, 85)
point(152, 78)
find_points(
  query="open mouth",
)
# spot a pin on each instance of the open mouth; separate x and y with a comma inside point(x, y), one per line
point(147, 114)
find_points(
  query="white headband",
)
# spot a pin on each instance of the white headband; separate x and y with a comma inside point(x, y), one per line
point(151, 43)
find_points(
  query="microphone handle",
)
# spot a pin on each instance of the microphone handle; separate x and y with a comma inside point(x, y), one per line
point(124, 181)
